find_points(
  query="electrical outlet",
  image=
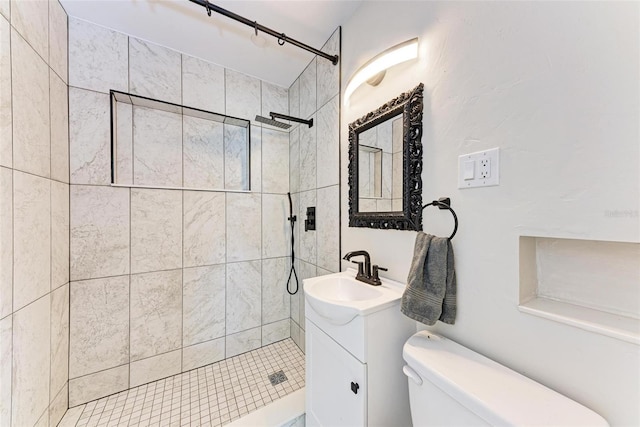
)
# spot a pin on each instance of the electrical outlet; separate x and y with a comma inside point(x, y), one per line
point(484, 163)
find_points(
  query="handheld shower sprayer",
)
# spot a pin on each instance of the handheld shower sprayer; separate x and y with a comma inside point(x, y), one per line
point(292, 218)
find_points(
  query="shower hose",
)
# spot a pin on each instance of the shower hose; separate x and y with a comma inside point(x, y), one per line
point(292, 272)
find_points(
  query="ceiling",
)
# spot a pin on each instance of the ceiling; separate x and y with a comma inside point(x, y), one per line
point(185, 27)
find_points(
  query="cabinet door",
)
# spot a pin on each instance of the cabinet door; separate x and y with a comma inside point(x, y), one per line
point(336, 383)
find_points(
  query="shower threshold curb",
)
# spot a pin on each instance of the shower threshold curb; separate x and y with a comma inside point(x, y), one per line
point(276, 414)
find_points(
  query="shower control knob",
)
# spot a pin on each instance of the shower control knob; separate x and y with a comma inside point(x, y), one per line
point(354, 387)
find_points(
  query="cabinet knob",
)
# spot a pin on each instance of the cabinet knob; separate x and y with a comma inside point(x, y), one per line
point(354, 387)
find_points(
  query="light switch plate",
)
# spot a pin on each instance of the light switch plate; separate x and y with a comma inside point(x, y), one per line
point(486, 166)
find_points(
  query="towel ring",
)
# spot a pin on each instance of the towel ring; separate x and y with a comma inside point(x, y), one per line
point(445, 203)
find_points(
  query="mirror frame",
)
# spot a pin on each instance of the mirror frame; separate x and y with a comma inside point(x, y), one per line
point(410, 218)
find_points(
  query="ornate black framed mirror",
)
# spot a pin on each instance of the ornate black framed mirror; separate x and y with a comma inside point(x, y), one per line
point(385, 165)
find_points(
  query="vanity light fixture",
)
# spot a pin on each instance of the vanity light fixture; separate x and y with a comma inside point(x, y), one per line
point(374, 70)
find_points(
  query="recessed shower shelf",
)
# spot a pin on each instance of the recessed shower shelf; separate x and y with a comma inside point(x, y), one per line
point(161, 145)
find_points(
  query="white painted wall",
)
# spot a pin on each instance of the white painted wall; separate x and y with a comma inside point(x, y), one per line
point(555, 86)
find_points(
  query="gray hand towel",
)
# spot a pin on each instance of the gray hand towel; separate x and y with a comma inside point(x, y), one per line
point(430, 294)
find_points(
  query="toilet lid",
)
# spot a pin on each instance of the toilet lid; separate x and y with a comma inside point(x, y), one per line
point(492, 391)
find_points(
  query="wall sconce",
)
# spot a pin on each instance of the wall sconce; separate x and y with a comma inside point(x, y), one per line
point(375, 69)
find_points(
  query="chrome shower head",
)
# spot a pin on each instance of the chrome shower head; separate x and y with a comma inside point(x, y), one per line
point(272, 122)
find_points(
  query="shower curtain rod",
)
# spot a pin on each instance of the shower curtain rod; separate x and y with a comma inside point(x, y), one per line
point(282, 38)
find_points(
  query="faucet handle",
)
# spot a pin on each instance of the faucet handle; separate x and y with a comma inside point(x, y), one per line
point(375, 269)
point(360, 267)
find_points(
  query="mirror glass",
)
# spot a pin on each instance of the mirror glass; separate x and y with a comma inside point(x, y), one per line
point(385, 165)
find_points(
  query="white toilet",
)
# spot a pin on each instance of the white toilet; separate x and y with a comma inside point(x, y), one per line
point(450, 385)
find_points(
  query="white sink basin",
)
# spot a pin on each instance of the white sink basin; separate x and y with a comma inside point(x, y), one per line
point(339, 297)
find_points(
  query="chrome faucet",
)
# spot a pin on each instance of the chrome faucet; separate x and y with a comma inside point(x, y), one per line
point(365, 273)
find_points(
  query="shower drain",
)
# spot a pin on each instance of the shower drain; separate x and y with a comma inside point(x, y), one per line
point(277, 378)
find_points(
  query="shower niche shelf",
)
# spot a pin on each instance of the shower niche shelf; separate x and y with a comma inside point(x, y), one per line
point(157, 144)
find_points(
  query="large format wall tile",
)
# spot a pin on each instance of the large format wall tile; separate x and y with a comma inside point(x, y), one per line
point(98, 57)
point(202, 85)
point(157, 148)
point(243, 226)
point(308, 156)
point(308, 248)
point(31, 358)
point(243, 296)
point(123, 144)
point(328, 144)
point(294, 99)
point(203, 151)
point(58, 39)
point(31, 238)
point(6, 137)
point(156, 319)
point(155, 71)
point(100, 384)
point(308, 90)
point(275, 299)
point(242, 342)
point(328, 74)
point(59, 340)
point(276, 331)
point(294, 160)
point(5, 9)
point(236, 158)
point(59, 405)
point(307, 271)
point(6, 331)
point(154, 368)
point(274, 99)
point(242, 95)
point(203, 304)
point(30, 99)
point(89, 137)
point(31, 19)
point(328, 217)
point(99, 232)
point(152, 211)
point(276, 230)
point(6, 242)
point(99, 326)
point(275, 160)
point(59, 100)
point(59, 234)
point(204, 228)
point(256, 158)
point(202, 354)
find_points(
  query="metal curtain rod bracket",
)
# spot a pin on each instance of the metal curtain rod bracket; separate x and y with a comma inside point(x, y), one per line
point(282, 38)
point(445, 203)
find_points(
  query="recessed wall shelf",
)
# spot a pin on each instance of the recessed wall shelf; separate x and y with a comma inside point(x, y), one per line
point(157, 144)
point(592, 285)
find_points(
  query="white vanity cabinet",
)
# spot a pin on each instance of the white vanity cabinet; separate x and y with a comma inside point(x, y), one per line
point(354, 356)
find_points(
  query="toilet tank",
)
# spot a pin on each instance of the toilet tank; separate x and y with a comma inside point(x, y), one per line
point(450, 385)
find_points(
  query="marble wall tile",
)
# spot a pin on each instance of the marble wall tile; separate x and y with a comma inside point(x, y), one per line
point(242, 95)
point(59, 405)
point(294, 98)
point(99, 232)
point(58, 39)
point(295, 300)
point(6, 242)
point(396, 135)
point(204, 228)
point(276, 331)
point(203, 153)
point(89, 137)
point(155, 368)
point(59, 340)
point(328, 215)
point(294, 160)
point(100, 384)
point(308, 90)
point(275, 299)
point(6, 329)
point(295, 334)
point(308, 155)
point(397, 185)
point(275, 161)
point(98, 57)
point(156, 313)
point(202, 84)
point(123, 144)
point(274, 99)
point(157, 147)
point(242, 342)
point(203, 304)
point(5, 9)
point(276, 230)
point(151, 211)
point(30, 100)
point(243, 296)
point(99, 325)
point(31, 358)
point(308, 249)
point(329, 74)
point(328, 143)
point(236, 158)
point(59, 234)
point(307, 271)
point(155, 71)
point(31, 238)
point(31, 20)
point(244, 231)
point(387, 175)
point(202, 354)
point(6, 137)
point(256, 158)
point(59, 106)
